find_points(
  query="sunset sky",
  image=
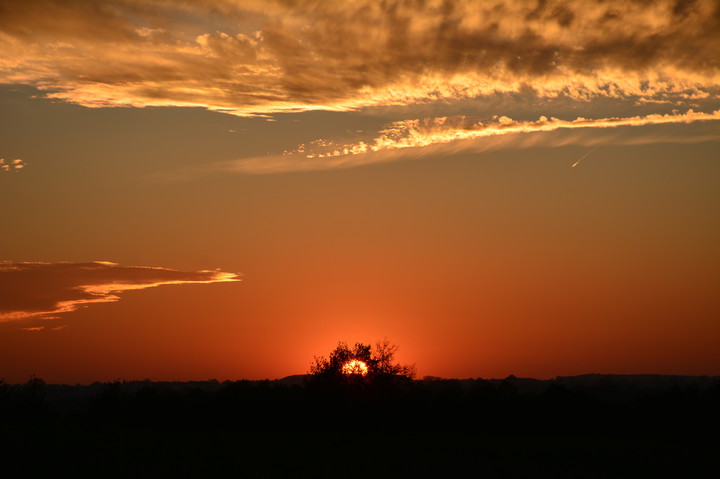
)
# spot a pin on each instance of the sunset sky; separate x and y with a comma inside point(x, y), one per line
point(198, 189)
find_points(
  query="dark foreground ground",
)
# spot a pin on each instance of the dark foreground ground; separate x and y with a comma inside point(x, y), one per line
point(579, 427)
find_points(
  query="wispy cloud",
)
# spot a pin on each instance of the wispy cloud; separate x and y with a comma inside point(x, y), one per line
point(44, 289)
point(447, 135)
point(429, 131)
point(261, 57)
point(35, 329)
point(12, 165)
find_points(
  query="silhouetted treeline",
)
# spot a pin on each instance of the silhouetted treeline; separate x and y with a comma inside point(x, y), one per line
point(583, 404)
point(663, 420)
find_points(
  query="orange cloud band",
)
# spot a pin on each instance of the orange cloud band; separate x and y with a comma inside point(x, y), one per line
point(453, 134)
point(44, 289)
point(420, 133)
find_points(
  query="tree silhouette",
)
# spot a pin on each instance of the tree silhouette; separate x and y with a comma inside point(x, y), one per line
point(378, 365)
point(384, 361)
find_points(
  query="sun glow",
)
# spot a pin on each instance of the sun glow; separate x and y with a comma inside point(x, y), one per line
point(355, 367)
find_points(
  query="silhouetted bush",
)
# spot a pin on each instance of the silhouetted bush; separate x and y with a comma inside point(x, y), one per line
point(376, 372)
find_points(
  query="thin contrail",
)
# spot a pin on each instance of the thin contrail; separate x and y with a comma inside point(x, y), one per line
point(584, 156)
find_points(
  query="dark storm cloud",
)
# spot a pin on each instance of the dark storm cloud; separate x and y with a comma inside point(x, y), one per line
point(44, 289)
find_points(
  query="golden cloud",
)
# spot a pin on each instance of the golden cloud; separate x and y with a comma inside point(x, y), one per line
point(12, 165)
point(429, 131)
point(262, 57)
point(43, 289)
point(447, 135)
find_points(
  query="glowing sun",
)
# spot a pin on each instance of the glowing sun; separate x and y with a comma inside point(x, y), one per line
point(355, 366)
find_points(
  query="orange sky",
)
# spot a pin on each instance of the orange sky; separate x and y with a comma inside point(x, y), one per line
point(224, 190)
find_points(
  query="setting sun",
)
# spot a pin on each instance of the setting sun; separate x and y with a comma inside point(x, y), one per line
point(355, 367)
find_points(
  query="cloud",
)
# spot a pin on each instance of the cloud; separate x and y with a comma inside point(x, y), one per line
point(43, 289)
point(446, 135)
point(429, 131)
point(34, 329)
point(12, 165)
point(263, 57)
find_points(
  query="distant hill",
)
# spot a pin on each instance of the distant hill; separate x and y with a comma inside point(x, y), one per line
point(648, 382)
point(645, 382)
point(294, 380)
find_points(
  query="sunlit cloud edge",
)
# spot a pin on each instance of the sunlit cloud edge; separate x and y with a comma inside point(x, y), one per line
point(106, 292)
point(439, 136)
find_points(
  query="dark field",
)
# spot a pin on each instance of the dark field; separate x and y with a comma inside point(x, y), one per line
point(584, 426)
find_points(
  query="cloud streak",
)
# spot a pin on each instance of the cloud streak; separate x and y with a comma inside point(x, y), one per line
point(40, 290)
point(446, 135)
point(263, 57)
